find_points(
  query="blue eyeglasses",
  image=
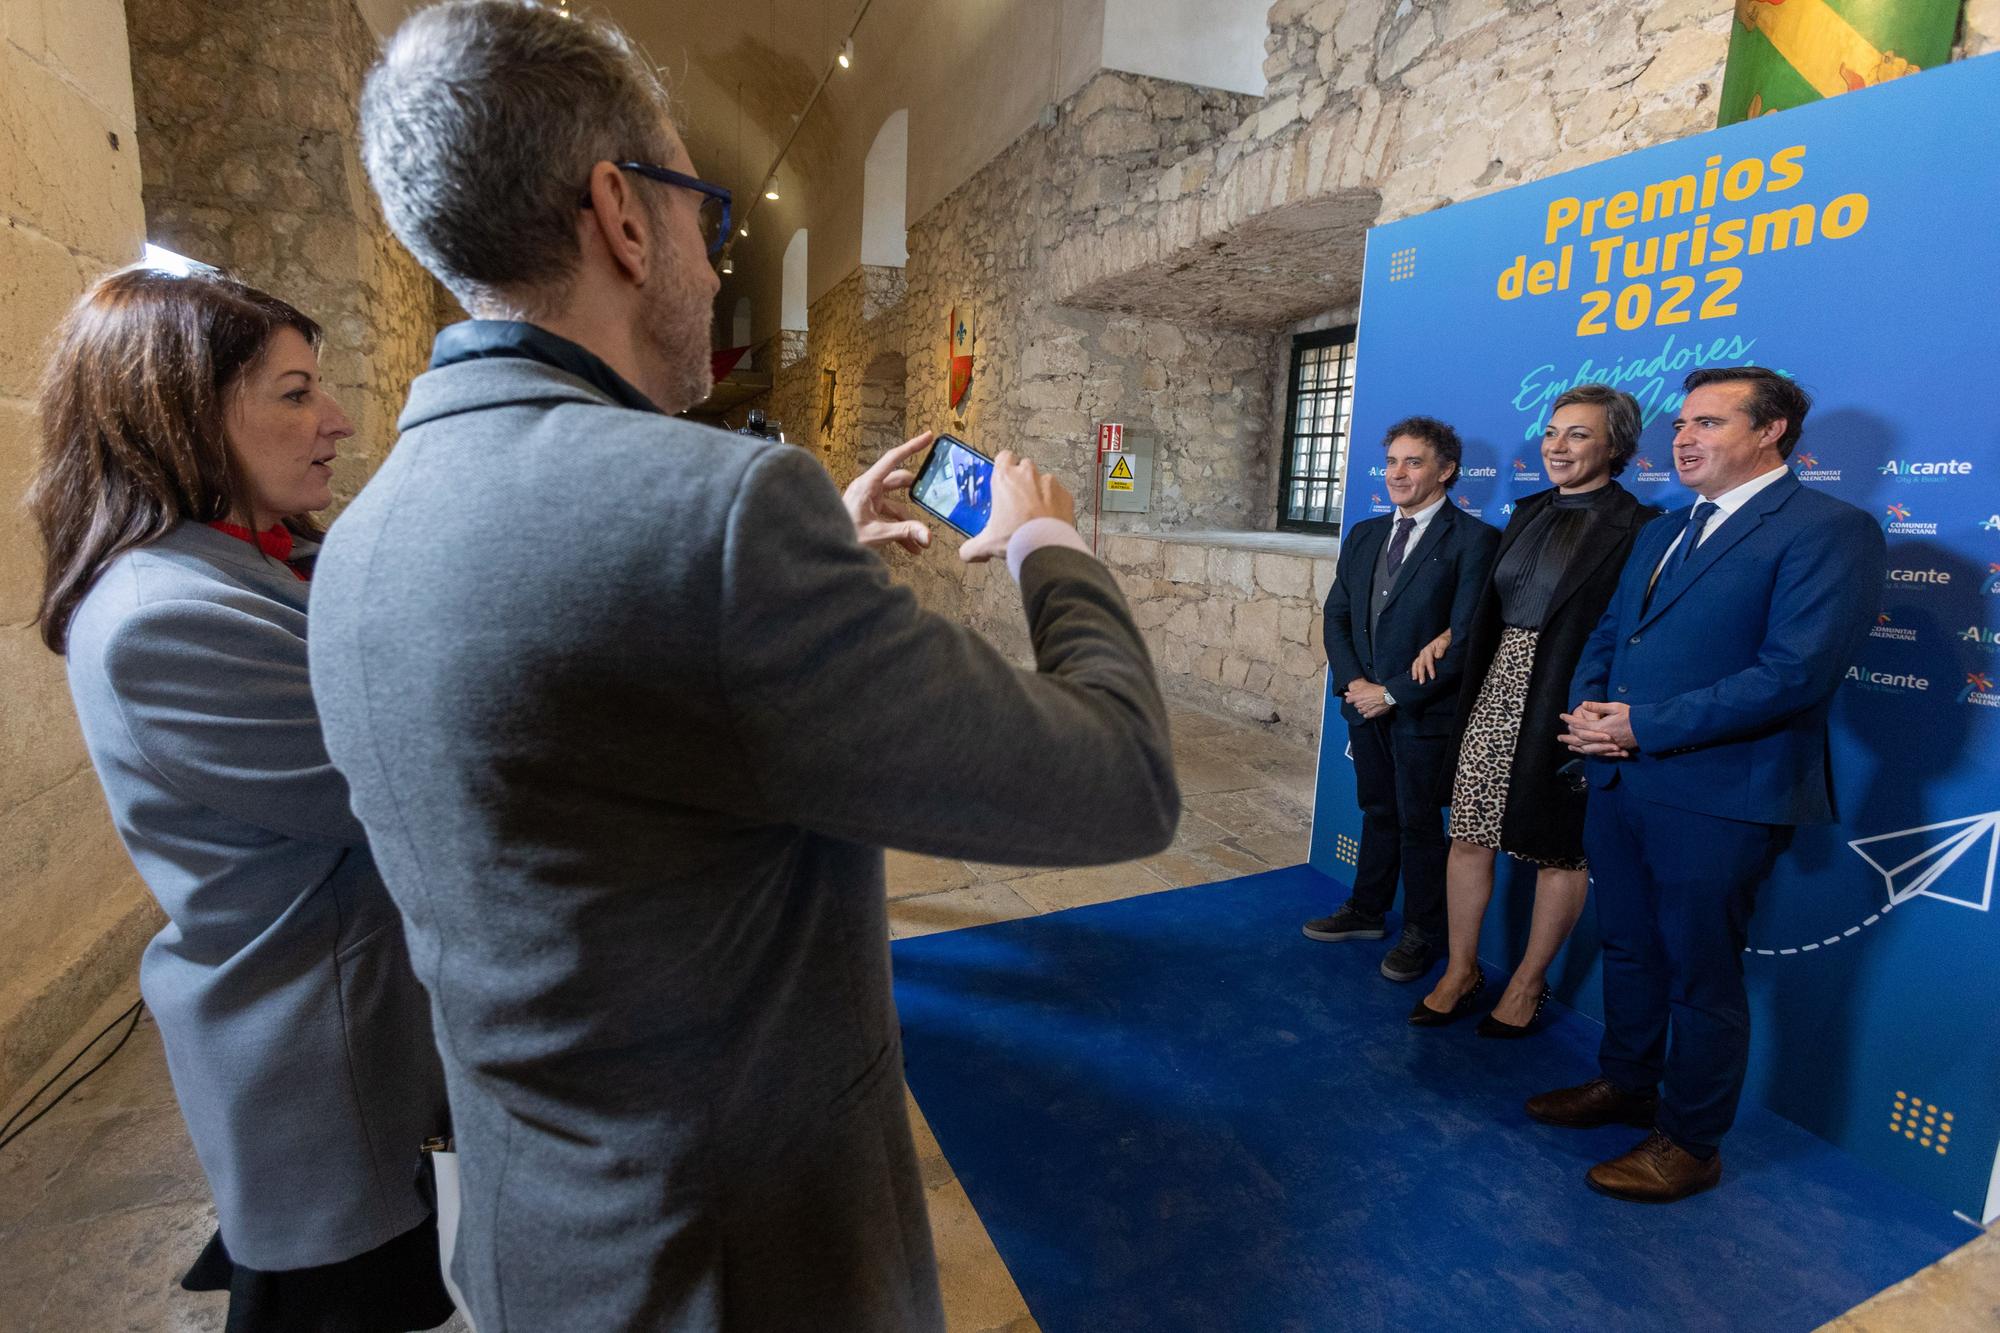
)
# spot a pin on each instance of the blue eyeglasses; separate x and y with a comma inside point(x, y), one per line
point(715, 200)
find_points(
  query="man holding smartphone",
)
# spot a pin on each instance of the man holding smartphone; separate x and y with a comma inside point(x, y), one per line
point(629, 713)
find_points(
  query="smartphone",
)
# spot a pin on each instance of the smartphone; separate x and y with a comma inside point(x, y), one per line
point(955, 486)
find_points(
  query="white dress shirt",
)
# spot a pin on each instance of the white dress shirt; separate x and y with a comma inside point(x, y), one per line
point(1725, 504)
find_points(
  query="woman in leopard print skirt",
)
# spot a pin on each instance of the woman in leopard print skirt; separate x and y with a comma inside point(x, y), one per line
point(1516, 789)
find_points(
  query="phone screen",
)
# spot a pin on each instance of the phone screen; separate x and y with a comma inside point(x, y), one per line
point(956, 485)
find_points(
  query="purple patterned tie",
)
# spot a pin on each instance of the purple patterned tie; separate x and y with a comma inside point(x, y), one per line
point(1399, 544)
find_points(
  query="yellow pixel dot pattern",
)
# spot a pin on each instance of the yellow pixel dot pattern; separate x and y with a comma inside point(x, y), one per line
point(1402, 264)
point(1920, 1122)
point(1346, 849)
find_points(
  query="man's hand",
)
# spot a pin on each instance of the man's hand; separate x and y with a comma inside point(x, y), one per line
point(1602, 730)
point(1368, 699)
point(1425, 665)
point(1021, 493)
point(877, 521)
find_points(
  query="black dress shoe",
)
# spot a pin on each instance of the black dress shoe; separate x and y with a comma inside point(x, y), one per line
point(1490, 1026)
point(1424, 1016)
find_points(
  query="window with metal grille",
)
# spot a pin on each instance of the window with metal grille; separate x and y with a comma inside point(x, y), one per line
point(1318, 405)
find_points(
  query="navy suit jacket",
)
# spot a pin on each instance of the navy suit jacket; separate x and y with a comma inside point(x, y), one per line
point(1731, 672)
point(1440, 587)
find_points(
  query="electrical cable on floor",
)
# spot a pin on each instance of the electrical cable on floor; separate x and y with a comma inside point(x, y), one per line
point(7, 1131)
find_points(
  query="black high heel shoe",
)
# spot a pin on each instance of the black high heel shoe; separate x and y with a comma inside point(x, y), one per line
point(1424, 1016)
point(1490, 1026)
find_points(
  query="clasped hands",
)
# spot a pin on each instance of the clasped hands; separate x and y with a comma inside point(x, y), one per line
point(1603, 731)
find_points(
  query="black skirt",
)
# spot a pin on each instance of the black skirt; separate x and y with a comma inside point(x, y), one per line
point(394, 1288)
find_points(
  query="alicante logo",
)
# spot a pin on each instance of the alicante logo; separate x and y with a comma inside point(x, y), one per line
point(1808, 468)
point(1943, 470)
point(1982, 638)
point(1887, 682)
point(1507, 508)
point(1940, 578)
point(1650, 471)
point(1378, 472)
point(1522, 472)
point(1992, 524)
point(1979, 691)
point(1482, 472)
point(1896, 519)
point(1884, 629)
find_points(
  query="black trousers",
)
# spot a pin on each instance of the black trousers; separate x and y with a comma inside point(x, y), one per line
point(1403, 782)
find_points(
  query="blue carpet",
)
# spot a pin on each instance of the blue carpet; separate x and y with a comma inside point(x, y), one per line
point(1175, 1112)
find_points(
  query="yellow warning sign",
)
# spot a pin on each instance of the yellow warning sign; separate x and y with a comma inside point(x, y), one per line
point(1121, 476)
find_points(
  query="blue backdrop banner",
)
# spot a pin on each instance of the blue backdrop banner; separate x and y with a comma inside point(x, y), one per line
point(1850, 244)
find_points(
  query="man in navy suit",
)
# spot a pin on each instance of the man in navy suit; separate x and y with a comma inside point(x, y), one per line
point(1702, 701)
point(1403, 579)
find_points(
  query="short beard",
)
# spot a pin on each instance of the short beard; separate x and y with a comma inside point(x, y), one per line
point(677, 323)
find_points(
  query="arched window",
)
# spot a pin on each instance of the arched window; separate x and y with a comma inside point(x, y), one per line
point(884, 177)
point(792, 309)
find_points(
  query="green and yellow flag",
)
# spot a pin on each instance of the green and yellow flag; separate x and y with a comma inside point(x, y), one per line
point(1785, 53)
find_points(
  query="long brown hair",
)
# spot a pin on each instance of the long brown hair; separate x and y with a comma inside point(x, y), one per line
point(132, 409)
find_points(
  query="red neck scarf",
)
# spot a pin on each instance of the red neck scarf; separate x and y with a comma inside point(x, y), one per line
point(274, 541)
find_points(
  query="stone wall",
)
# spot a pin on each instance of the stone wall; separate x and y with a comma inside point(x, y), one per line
point(75, 915)
point(1234, 627)
point(1043, 374)
point(247, 115)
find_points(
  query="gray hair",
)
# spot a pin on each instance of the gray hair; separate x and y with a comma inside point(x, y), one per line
point(479, 127)
point(1621, 418)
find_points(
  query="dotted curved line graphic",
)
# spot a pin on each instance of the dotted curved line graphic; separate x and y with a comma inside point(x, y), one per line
point(1849, 933)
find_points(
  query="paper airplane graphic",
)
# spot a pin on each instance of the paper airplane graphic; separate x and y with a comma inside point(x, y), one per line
point(1952, 861)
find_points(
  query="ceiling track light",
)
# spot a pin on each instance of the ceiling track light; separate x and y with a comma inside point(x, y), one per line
point(728, 266)
point(846, 56)
point(771, 189)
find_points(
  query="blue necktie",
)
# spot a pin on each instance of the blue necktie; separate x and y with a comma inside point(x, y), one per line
point(1691, 538)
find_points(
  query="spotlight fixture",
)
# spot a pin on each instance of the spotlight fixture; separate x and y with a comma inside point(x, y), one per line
point(728, 266)
point(847, 54)
point(743, 232)
point(771, 189)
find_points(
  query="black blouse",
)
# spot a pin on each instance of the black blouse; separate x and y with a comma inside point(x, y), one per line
point(1528, 575)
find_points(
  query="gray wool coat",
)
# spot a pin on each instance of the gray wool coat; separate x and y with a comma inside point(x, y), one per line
point(629, 716)
point(296, 1034)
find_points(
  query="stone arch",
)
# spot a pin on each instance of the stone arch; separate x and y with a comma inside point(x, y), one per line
point(884, 188)
point(792, 303)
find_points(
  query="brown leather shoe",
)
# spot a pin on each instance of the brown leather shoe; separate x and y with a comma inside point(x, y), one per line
point(1657, 1171)
point(1598, 1102)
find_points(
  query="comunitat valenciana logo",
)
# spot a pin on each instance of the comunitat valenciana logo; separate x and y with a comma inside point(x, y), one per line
point(1375, 505)
point(1522, 472)
point(1979, 691)
point(1926, 470)
point(1468, 506)
point(1808, 467)
point(1651, 471)
point(1887, 682)
point(1991, 585)
point(1896, 519)
point(1884, 628)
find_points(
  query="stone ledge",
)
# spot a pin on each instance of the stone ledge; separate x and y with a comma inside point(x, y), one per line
point(1306, 545)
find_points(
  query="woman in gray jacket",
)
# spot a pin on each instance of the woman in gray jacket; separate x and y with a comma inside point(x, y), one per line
point(186, 443)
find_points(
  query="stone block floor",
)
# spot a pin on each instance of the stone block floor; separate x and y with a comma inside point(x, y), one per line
point(102, 1204)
